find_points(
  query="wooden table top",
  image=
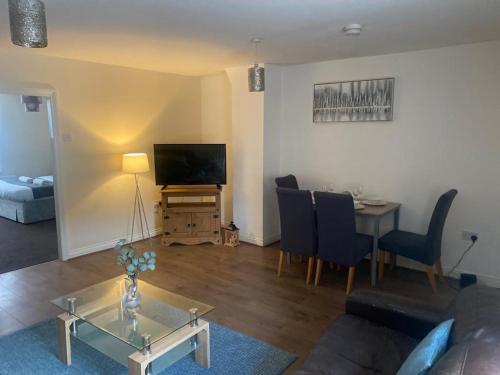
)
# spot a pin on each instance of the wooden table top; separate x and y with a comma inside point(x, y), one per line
point(378, 210)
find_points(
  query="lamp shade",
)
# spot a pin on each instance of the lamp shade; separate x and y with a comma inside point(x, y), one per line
point(28, 27)
point(135, 163)
point(256, 78)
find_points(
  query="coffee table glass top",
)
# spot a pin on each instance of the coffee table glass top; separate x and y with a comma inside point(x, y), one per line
point(160, 313)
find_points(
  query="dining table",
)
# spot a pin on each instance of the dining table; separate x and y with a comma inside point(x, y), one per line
point(374, 214)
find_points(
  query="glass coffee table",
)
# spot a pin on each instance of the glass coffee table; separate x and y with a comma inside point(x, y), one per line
point(164, 328)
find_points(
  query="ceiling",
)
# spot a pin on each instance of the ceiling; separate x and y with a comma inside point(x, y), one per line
point(196, 37)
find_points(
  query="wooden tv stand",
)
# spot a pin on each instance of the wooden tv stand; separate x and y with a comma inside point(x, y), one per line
point(191, 223)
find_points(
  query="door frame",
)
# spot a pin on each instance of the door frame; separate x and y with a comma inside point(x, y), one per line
point(49, 92)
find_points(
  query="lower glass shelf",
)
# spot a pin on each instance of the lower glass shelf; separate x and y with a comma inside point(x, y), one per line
point(120, 351)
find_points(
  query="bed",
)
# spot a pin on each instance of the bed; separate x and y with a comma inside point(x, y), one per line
point(25, 202)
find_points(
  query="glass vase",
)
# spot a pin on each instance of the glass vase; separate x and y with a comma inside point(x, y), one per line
point(132, 297)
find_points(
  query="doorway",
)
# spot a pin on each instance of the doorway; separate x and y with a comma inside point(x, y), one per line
point(28, 205)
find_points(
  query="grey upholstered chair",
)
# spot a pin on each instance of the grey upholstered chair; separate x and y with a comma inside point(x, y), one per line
point(426, 248)
point(337, 238)
point(289, 181)
point(298, 226)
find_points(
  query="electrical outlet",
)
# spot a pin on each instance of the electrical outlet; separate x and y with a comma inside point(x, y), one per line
point(467, 236)
point(157, 207)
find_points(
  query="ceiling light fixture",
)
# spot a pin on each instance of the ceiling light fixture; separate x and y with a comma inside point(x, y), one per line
point(256, 74)
point(353, 29)
point(28, 27)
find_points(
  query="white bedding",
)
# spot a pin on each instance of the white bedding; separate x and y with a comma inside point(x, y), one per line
point(47, 178)
point(15, 192)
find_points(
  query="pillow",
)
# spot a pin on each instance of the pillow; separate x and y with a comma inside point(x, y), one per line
point(47, 178)
point(428, 351)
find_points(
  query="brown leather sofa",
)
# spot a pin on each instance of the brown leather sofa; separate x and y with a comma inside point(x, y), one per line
point(379, 330)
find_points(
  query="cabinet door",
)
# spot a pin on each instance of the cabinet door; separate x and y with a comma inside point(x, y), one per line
point(178, 224)
point(203, 224)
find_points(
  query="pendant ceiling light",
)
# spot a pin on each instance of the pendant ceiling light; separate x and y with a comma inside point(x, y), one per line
point(256, 77)
point(31, 103)
point(27, 23)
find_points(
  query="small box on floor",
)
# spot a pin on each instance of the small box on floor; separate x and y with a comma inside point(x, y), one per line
point(467, 279)
point(231, 235)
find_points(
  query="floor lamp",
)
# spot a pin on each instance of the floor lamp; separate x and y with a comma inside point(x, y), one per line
point(137, 163)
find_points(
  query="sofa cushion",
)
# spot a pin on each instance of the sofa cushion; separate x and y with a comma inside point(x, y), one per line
point(356, 346)
point(469, 358)
point(428, 351)
point(476, 311)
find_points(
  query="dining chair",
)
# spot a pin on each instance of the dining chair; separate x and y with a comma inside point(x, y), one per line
point(289, 181)
point(298, 226)
point(426, 248)
point(338, 241)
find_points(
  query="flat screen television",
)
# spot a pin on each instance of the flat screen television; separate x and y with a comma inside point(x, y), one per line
point(190, 164)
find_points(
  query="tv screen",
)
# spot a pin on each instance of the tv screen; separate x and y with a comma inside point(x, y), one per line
point(193, 164)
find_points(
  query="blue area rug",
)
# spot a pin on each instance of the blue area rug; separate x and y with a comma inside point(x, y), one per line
point(34, 351)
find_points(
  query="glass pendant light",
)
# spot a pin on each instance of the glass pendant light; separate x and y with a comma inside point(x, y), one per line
point(28, 27)
point(256, 76)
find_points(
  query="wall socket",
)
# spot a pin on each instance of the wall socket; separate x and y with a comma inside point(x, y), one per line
point(157, 207)
point(467, 236)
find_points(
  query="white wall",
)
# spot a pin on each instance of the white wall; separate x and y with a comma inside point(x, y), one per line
point(445, 134)
point(255, 131)
point(107, 111)
point(216, 128)
point(25, 142)
point(247, 142)
point(273, 117)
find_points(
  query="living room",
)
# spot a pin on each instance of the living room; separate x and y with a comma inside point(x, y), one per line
point(122, 77)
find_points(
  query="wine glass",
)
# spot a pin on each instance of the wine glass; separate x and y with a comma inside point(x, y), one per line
point(357, 192)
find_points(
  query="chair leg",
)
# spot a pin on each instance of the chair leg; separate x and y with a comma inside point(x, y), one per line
point(301, 259)
point(332, 265)
point(280, 262)
point(392, 261)
point(432, 279)
point(319, 268)
point(381, 264)
point(310, 266)
point(350, 279)
point(439, 269)
point(338, 267)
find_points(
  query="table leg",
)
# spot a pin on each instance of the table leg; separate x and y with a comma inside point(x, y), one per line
point(376, 233)
point(202, 353)
point(288, 258)
point(63, 325)
point(136, 368)
point(396, 219)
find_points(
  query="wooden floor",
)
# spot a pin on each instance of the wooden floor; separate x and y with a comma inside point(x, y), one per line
point(240, 282)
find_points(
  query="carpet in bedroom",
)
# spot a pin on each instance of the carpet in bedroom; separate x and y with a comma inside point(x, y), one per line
point(24, 245)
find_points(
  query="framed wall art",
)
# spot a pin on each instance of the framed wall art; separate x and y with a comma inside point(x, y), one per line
point(350, 101)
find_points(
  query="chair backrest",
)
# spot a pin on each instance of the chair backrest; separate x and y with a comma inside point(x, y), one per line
point(298, 224)
point(436, 225)
point(289, 182)
point(336, 227)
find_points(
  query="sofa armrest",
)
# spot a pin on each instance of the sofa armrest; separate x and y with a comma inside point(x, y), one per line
point(399, 313)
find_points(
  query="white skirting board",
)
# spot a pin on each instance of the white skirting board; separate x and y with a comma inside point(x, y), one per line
point(259, 241)
point(107, 244)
